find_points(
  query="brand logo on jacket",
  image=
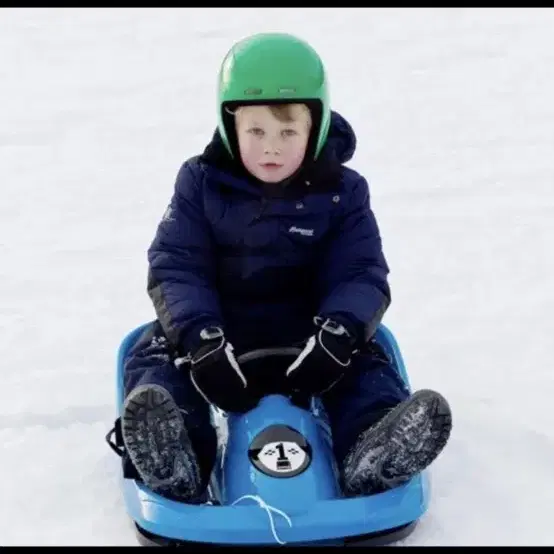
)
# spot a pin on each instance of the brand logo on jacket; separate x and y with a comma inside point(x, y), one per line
point(168, 214)
point(303, 232)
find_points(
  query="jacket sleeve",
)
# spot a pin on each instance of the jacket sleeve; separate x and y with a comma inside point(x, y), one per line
point(353, 278)
point(182, 266)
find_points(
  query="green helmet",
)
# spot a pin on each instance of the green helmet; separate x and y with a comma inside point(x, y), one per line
point(273, 68)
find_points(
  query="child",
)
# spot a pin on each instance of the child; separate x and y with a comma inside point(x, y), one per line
point(269, 240)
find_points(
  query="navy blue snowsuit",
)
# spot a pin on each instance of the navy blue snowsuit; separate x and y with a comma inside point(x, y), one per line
point(262, 261)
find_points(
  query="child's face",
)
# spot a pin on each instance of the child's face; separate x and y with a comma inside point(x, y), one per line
point(270, 149)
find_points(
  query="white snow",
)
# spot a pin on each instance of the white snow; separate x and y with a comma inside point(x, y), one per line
point(454, 112)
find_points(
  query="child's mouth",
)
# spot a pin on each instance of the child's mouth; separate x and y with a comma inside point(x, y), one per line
point(271, 166)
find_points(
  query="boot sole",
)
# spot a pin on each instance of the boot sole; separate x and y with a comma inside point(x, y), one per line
point(156, 439)
point(405, 442)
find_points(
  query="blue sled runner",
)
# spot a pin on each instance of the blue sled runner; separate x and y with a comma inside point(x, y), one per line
point(275, 481)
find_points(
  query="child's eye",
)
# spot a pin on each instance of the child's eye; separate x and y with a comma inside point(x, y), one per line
point(257, 131)
point(289, 132)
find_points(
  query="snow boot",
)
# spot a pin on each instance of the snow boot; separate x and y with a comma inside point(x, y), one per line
point(400, 445)
point(157, 442)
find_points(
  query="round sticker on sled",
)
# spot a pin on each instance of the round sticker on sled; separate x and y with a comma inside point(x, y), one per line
point(280, 451)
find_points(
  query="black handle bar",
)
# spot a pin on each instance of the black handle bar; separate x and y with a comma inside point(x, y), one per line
point(266, 352)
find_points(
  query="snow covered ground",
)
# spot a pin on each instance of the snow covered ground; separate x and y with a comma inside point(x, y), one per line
point(454, 113)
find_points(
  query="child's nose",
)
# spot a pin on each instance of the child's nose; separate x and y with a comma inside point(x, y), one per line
point(272, 147)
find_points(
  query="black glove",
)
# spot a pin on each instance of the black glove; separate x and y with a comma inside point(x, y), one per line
point(216, 374)
point(323, 361)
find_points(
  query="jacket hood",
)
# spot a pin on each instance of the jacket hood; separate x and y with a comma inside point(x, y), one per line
point(341, 140)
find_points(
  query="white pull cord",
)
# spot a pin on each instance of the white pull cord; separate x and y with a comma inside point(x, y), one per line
point(269, 509)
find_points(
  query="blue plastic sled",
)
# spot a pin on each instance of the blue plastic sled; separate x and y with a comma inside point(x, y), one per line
point(275, 482)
